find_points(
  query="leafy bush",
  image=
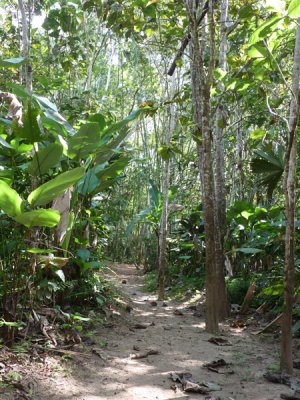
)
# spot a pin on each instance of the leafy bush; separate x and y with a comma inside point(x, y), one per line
point(237, 289)
point(150, 281)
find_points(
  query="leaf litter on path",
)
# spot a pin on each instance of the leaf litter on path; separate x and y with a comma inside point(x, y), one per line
point(287, 380)
point(189, 385)
point(219, 341)
point(151, 352)
point(215, 366)
point(143, 325)
point(220, 367)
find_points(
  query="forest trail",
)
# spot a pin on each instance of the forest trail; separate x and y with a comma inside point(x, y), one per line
point(182, 344)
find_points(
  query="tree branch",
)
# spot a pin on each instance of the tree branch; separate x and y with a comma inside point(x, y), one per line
point(186, 41)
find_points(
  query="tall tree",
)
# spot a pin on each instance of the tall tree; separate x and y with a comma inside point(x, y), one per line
point(220, 196)
point(290, 201)
point(202, 80)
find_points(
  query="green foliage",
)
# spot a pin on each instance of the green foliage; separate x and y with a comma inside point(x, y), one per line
point(85, 141)
point(269, 166)
point(150, 281)
point(12, 62)
point(237, 289)
point(294, 9)
point(264, 30)
point(45, 159)
point(116, 202)
point(40, 217)
point(31, 129)
point(10, 201)
point(53, 188)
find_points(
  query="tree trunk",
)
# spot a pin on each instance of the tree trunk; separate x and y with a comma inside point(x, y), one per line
point(162, 258)
point(201, 86)
point(286, 363)
point(26, 44)
point(220, 196)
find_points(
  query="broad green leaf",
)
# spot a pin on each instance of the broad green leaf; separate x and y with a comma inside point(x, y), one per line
point(94, 264)
point(106, 141)
point(165, 152)
point(296, 327)
point(4, 143)
point(5, 121)
point(294, 9)
point(37, 250)
point(155, 195)
point(246, 12)
point(12, 62)
point(258, 51)
point(52, 116)
point(131, 117)
point(20, 147)
point(99, 119)
point(10, 201)
point(114, 169)
point(261, 212)
point(258, 134)
point(89, 181)
point(51, 189)
point(246, 214)
point(7, 175)
point(85, 141)
point(274, 290)
point(264, 30)
point(105, 152)
point(45, 159)
point(185, 257)
point(18, 90)
point(53, 119)
point(45, 103)
point(30, 130)
point(83, 254)
point(249, 250)
point(41, 217)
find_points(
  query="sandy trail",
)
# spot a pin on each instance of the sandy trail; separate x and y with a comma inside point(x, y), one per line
point(183, 346)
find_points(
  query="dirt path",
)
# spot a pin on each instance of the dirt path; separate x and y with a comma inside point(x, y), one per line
point(183, 346)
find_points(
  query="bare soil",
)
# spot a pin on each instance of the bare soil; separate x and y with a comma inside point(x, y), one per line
point(108, 369)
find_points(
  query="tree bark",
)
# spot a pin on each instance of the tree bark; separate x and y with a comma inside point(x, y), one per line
point(286, 362)
point(220, 197)
point(201, 86)
point(186, 41)
point(26, 44)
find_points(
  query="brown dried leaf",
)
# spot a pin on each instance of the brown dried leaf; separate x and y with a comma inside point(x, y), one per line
point(14, 108)
point(219, 341)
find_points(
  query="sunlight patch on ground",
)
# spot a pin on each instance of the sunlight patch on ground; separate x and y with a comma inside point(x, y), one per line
point(149, 392)
point(200, 325)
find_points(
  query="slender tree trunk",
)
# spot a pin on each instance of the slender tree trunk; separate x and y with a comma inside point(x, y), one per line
point(290, 200)
point(162, 257)
point(220, 197)
point(201, 86)
point(26, 43)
